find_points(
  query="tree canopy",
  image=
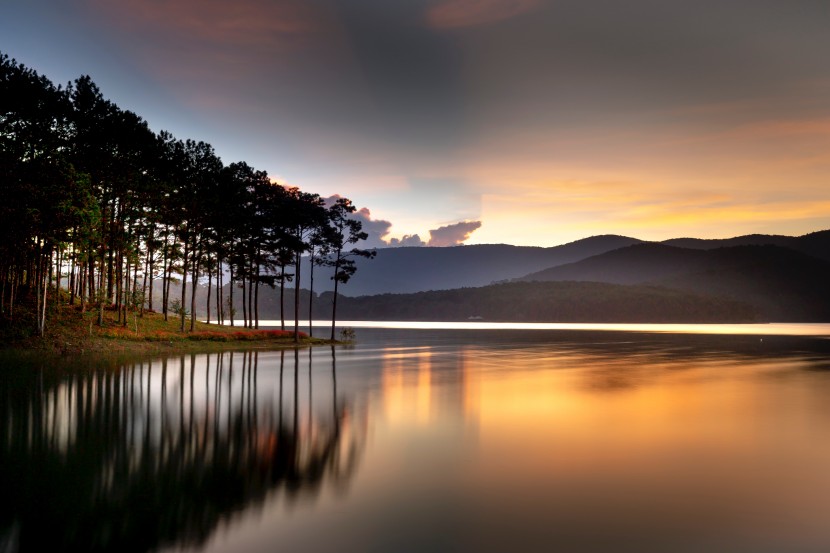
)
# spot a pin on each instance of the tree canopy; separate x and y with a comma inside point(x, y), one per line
point(95, 201)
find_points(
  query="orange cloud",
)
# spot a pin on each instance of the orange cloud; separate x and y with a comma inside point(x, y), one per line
point(559, 212)
point(452, 14)
point(211, 41)
point(452, 235)
point(783, 128)
point(674, 216)
point(242, 22)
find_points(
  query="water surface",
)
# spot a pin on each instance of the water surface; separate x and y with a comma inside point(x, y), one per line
point(426, 440)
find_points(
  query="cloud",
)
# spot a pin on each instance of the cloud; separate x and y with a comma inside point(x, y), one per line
point(243, 22)
point(452, 14)
point(378, 230)
point(452, 235)
point(207, 47)
point(408, 240)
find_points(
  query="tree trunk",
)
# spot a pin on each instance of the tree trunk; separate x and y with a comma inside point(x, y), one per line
point(311, 292)
point(244, 305)
point(250, 294)
point(193, 285)
point(256, 299)
point(134, 288)
point(184, 286)
point(165, 278)
point(334, 300)
point(37, 300)
point(282, 297)
point(144, 282)
point(297, 264)
point(72, 278)
point(118, 286)
point(58, 279)
point(231, 314)
point(82, 269)
point(42, 324)
point(126, 300)
point(209, 290)
point(12, 293)
point(90, 267)
point(220, 312)
point(167, 288)
point(3, 274)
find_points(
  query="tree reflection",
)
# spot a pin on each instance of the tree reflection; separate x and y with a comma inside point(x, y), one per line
point(153, 454)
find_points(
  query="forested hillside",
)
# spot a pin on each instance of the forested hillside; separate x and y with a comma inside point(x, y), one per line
point(549, 302)
point(405, 270)
point(417, 269)
point(816, 244)
point(781, 283)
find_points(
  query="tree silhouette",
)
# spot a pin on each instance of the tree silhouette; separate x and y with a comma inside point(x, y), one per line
point(344, 231)
point(94, 199)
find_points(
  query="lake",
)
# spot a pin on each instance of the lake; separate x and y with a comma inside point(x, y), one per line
point(469, 439)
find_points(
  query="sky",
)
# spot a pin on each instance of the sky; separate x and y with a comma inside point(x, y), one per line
point(527, 122)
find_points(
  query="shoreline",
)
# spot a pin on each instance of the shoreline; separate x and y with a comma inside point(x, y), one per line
point(72, 333)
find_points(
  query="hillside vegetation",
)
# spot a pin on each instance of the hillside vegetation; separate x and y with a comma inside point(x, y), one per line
point(780, 283)
point(71, 331)
point(551, 302)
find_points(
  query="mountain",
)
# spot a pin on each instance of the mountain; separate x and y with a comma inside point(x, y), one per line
point(772, 282)
point(548, 302)
point(644, 262)
point(816, 244)
point(784, 285)
point(405, 270)
point(408, 270)
point(781, 283)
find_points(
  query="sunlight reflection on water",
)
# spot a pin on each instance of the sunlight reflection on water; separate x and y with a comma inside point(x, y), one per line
point(430, 440)
point(780, 329)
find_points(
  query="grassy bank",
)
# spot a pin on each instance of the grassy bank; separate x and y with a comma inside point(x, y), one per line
point(69, 331)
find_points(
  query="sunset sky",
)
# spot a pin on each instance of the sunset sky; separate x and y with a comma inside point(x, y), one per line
point(530, 122)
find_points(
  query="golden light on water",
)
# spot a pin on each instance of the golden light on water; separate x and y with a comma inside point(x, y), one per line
point(779, 329)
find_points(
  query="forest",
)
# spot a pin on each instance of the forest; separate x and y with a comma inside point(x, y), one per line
point(568, 301)
point(97, 210)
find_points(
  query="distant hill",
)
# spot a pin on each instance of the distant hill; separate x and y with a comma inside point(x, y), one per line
point(816, 244)
point(781, 283)
point(646, 262)
point(404, 270)
point(548, 302)
point(777, 282)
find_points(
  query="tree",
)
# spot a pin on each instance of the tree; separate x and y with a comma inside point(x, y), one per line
point(305, 212)
point(344, 230)
point(92, 197)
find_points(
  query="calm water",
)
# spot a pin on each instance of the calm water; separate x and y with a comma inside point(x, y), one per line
point(423, 440)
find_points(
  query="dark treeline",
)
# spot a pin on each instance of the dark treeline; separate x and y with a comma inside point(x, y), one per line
point(568, 302)
point(96, 203)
